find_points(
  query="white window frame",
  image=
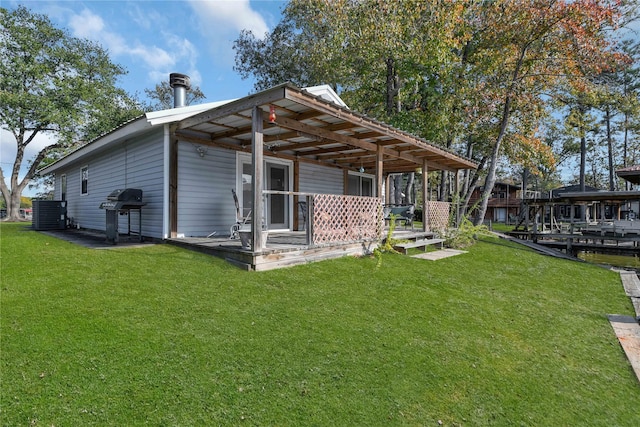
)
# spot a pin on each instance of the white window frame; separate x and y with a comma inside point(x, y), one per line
point(360, 176)
point(63, 186)
point(84, 189)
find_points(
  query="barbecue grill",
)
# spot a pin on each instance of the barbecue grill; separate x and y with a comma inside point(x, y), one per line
point(122, 202)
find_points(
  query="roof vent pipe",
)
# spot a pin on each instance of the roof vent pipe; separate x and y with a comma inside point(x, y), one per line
point(180, 83)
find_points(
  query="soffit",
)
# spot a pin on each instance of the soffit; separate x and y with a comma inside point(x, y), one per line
point(309, 128)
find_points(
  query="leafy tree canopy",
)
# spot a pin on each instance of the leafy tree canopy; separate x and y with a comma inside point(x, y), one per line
point(458, 72)
point(53, 82)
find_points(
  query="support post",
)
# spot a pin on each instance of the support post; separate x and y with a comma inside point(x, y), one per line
point(386, 187)
point(296, 198)
point(257, 138)
point(456, 198)
point(425, 196)
point(379, 171)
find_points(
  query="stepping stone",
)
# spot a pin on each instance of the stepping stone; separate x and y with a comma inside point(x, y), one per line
point(440, 254)
point(627, 330)
point(631, 283)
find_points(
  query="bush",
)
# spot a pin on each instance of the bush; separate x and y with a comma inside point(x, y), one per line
point(465, 235)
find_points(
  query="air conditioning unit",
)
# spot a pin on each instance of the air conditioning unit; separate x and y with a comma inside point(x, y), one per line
point(49, 215)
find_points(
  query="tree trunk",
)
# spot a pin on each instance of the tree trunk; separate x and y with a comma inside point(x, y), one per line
point(524, 205)
point(408, 190)
point(583, 149)
point(12, 194)
point(612, 185)
point(12, 197)
point(490, 181)
point(471, 186)
point(444, 180)
point(625, 147)
point(397, 185)
point(391, 89)
point(495, 152)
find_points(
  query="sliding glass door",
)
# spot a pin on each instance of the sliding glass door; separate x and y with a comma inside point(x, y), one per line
point(277, 177)
point(277, 204)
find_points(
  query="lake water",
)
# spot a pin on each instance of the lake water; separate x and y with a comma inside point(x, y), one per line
point(614, 260)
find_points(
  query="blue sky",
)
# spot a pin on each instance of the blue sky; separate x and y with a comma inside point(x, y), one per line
point(153, 38)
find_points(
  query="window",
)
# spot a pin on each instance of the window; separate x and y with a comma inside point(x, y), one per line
point(84, 176)
point(63, 187)
point(360, 185)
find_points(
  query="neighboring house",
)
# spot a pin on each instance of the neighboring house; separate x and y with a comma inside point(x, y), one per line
point(563, 210)
point(571, 204)
point(298, 142)
point(504, 204)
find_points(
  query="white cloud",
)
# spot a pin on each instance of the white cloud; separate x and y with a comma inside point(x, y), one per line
point(153, 56)
point(169, 51)
point(230, 16)
point(144, 17)
point(220, 22)
point(86, 24)
point(91, 26)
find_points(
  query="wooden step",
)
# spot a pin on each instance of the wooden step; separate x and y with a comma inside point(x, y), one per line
point(421, 243)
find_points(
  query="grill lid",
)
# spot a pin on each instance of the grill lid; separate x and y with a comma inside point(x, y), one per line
point(128, 194)
point(125, 198)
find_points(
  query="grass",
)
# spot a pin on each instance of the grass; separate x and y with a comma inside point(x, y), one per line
point(164, 336)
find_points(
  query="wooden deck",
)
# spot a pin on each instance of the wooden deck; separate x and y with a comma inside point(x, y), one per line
point(283, 249)
point(588, 241)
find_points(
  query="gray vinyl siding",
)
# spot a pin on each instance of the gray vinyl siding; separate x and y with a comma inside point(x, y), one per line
point(205, 202)
point(136, 163)
point(321, 179)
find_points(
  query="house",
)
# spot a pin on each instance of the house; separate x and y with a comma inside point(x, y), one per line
point(564, 210)
point(504, 204)
point(276, 148)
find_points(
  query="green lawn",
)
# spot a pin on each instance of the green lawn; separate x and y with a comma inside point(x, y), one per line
point(164, 336)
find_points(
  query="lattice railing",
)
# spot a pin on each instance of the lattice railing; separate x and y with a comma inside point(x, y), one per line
point(340, 218)
point(438, 215)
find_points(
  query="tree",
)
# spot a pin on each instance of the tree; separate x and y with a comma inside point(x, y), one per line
point(162, 94)
point(619, 98)
point(629, 84)
point(527, 49)
point(471, 76)
point(54, 83)
point(389, 59)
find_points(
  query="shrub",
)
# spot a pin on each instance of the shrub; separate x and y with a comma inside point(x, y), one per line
point(465, 235)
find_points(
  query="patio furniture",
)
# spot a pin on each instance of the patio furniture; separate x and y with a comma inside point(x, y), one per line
point(399, 213)
point(242, 220)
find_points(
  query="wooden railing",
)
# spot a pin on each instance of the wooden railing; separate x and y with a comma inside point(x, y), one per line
point(439, 213)
point(336, 218)
point(339, 218)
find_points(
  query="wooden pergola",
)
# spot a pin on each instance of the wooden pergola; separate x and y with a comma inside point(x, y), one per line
point(291, 123)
